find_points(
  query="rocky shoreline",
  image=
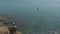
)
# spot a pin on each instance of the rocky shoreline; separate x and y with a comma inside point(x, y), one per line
point(5, 22)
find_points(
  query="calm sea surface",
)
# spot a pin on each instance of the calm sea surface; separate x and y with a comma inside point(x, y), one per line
point(31, 20)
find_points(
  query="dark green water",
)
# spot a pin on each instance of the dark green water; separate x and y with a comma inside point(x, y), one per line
point(29, 19)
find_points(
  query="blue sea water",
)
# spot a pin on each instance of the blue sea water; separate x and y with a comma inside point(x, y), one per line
point(29, 19)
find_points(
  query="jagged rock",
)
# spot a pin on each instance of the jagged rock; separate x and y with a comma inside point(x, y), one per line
point(4, 26)
point(4, 30)
point(7, 32)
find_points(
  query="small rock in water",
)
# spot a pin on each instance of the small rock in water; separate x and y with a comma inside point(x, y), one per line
point(37, 8)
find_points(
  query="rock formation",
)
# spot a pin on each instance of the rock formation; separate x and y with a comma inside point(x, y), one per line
point(4, 21)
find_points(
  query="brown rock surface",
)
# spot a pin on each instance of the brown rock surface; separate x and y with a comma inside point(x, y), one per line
point(4, 30)
point(4, 27)
point(7, 32)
